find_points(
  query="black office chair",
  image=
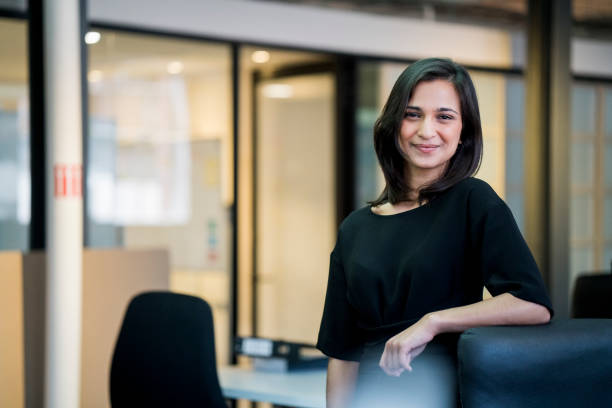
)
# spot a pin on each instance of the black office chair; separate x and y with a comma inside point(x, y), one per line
point(165, 354)
point(592, 294)
point(566, 363)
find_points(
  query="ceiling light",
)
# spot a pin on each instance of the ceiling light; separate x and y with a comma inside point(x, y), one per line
point(92, 37)
point(260, 57)
point(175, 67)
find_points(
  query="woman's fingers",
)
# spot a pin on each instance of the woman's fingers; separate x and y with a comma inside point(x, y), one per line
point(402, 348)
point(394, 360)
point(393, 357)
point(417, 350)
point(405, 359)
point(397, 358)
point(383, 360)
point(387, 359)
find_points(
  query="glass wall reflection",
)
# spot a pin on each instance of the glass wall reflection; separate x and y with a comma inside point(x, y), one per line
point(159, 165)
point(289, 189)
point(590, 179)
point(19, 5)
point(14, 136)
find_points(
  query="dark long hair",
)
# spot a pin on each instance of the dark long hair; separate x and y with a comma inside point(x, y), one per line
point(466, 160)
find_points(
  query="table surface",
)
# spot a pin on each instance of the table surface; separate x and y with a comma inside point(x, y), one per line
point(300, 388)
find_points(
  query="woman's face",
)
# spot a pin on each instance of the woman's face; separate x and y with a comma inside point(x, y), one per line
point(431, 128)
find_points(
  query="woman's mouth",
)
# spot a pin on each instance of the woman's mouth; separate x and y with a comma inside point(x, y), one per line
point(426, 148)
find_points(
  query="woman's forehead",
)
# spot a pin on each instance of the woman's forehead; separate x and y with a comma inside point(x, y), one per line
point(435, 93)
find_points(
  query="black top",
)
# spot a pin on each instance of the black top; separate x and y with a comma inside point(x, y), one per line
point(388, 271)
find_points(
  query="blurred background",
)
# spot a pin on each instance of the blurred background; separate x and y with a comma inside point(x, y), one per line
point(237, 135)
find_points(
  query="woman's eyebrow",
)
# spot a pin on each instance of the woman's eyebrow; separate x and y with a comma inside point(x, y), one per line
point(438, 110)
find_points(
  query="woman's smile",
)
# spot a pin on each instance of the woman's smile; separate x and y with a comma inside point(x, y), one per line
point(426, 148)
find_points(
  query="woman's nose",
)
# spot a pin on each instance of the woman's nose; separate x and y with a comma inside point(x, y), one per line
point(426, 129)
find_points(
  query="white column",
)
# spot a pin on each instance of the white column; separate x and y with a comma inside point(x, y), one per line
point(64, 202)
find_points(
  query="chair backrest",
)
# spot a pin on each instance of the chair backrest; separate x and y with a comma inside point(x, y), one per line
point(592, 294)
point(567, 363)
point(165, 354)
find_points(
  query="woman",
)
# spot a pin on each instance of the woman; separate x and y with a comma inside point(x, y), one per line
point(407, 272)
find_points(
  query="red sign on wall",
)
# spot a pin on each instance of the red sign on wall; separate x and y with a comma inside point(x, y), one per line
point(67, 180)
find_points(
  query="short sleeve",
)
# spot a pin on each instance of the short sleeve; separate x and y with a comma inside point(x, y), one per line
point(339, 335)
point(505, 261)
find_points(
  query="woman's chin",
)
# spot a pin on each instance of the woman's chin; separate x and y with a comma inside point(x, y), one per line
point(426, 166)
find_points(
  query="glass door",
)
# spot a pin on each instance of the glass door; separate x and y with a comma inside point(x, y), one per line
point(295, 221)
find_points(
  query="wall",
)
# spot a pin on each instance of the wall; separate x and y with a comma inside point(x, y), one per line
point(587, 56)
point(11, 331)
point(299, 26)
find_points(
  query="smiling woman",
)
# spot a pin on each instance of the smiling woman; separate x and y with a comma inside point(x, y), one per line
point(422, 92)
point(431, 129)
point(407, 272)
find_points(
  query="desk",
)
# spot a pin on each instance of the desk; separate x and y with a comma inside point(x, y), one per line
point(302, 388)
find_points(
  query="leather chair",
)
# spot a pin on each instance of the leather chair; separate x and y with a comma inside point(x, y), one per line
point(592, 294)
point(566, 363)
point(165, 354)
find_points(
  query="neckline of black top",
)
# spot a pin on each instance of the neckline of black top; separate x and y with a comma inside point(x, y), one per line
point(416, 209)
point(412, 210)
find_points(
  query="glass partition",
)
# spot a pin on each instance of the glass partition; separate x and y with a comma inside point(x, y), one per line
point(14, 136)
point(287, 186)
point(296, 220)
point(590, 179)
point(606, 252)
point(19, 5)
point(159, 162)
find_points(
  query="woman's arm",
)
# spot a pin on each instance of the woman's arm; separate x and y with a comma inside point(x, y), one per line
point(341, 377)
point(504, 309)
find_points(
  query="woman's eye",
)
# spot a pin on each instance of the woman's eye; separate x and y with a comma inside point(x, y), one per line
point(411, 115)
point(445, 117)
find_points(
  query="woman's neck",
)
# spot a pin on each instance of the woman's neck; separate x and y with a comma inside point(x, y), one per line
point(417, 178)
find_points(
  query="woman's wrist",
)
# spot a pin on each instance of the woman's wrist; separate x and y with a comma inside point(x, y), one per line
point(433, 323)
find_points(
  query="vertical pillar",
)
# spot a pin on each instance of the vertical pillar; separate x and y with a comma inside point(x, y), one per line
point(63, 110)
point(561, 81)
point(346, 106)
point(38, 196)
point(547, 136)
point(234, 210)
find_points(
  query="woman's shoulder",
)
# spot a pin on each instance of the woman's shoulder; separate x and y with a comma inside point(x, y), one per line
point(473, 194)
point(481, 200)
point(356, 218)
point(350, 226)
point(473, 184)
point(478, 190)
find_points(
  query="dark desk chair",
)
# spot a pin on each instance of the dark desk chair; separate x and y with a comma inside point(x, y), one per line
point(592, 294)
point(165, 354)
point(567, 363)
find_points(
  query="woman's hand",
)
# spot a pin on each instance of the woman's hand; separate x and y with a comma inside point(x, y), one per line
point(503, 309)
point(402, 348)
